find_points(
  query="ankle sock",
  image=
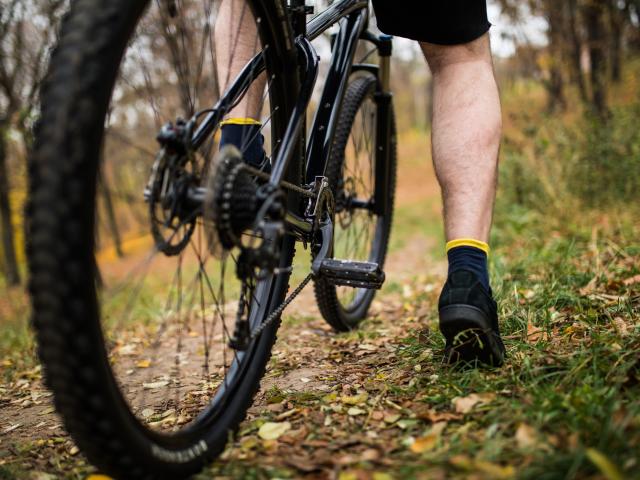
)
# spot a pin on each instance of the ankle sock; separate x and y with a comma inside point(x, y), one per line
point(244, 133)
point(469, 254)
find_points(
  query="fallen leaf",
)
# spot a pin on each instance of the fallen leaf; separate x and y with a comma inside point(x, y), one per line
point(632, 280)
point(462, 462)
point(391, 417)
point(535, 334)
point(127, 350)
point(425, 443)
point(153, 385)
point(621, 326)
point(367, 347)
point(355, 399)
point(330, 397)
point(429, 440)
point(466, 404)
point(301, 462)
point(377, 415)
point(526, 436)
point(348, 476)
point(273, 430)
point(353, 411)
point(147, 412)
point(406, 423)
point(434, 417)
point(381, 476)
point(287, 414)
point(495, 471)
point(143, 364)
point(11, 428)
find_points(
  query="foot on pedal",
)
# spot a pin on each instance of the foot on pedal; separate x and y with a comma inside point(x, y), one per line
point(352, 274)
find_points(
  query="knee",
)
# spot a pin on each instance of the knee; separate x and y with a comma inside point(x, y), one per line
point(439, 57)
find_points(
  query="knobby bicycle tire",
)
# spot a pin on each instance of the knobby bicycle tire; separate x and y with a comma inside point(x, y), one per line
point(61, 216)
point(347, 317)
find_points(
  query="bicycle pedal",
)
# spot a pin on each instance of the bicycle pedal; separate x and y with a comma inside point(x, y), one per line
point(352, 274)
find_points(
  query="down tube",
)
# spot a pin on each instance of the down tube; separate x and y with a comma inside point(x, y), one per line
point(326, 118)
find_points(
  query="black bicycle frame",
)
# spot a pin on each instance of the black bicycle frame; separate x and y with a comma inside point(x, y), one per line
point(352, 15)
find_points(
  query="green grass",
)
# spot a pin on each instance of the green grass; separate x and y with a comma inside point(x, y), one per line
point(566, 399)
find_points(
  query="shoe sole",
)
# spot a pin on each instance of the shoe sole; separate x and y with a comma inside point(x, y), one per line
point(469, 336)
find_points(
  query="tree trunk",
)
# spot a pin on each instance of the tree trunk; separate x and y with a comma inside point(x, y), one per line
point(616, 32)
point(11, 264)
point(555, 84)
point(111, 217)
point(594, 14)
point(575, 48)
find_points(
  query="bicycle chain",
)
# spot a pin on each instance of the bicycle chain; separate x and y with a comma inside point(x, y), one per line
point(278, 311)
point(273, 316)
point(290, 186)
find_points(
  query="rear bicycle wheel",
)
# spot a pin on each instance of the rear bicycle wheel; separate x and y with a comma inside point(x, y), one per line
point(135, 349)
point(360, 234)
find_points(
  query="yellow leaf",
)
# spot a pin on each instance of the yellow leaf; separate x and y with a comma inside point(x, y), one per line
point(495, 471)
point(608, 469)
point(355, 399)
point(430, 440)
point(98, 477)
point(143, 364)
point(330, 397)
point(381, 476)
point(348, 476)
point(273, 430)
point(424, 444)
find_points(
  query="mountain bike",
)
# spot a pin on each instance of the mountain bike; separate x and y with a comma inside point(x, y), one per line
point(155, 357)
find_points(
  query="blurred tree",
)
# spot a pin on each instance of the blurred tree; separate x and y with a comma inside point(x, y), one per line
point(574, 47)
point(596, 30)
point(27, 30)
point(554, 13)
point(593, 12)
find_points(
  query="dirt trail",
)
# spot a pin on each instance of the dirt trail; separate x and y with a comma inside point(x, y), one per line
point(309, 360)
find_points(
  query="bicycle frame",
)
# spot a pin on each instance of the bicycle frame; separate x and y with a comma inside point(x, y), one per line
point(352, 16)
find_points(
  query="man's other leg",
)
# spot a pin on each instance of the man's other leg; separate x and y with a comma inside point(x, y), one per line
point(236, 42)
point(466, 131)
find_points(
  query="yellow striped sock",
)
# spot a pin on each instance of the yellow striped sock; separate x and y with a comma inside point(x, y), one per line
point(240, 121)
point(467, 242)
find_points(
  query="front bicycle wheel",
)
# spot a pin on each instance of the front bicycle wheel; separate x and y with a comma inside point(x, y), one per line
point(133, 313)
point(361, 233)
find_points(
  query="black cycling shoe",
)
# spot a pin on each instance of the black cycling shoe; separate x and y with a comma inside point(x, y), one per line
point(469, 321)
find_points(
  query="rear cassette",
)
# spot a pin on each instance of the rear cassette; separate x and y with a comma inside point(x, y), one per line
point(231, 203)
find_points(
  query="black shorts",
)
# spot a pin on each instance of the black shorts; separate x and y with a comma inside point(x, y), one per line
point(444, 22)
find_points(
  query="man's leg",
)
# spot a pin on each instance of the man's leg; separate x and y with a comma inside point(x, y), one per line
point(236, 42)
point(466, 130)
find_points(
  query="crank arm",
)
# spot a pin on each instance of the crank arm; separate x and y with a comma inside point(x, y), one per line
point(326, 231)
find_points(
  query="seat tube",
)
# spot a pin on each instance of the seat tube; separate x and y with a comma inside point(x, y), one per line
point(383, 126)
